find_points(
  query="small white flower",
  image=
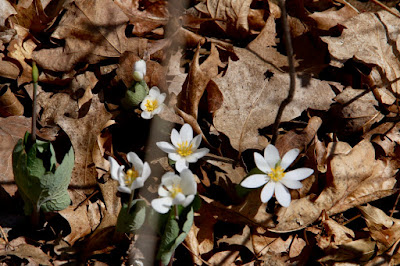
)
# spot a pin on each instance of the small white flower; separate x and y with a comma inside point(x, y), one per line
point(133, 178)
point(275, 179)
point(153, 103)
point(175, 190)
point(139, 70)
point(184, 148)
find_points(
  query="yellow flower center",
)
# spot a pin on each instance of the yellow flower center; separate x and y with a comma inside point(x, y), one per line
point(276, 173)
point(184, 149)
point(130, 176)
point(151, 105)
point(175, 191)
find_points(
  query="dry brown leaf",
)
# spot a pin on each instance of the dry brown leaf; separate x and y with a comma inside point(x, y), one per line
point(296, 247)
point(357, 251)
point(357, 108)
point(6, 10)
point(243, 239)
point(78, 221)
point(197, 80)
point(83, 133)
point(251, 101)
point(9, 104)
point(8, 69)
point(389, 139)
point(331, 17)
point(261, 241)
point(55, 106)
point(193, 245)
point(231, 16)
point(368, 38)
point(336, 234)
point(224, 258)
point(264, 45)
point(384, 229)
point(12, 129)
point(21, 50)
point(147, 18)
point(23, 250)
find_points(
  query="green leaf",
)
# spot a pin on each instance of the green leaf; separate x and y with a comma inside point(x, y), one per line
point(174, 234)
point(41, 184)
point(135, 95)
point(128, 222)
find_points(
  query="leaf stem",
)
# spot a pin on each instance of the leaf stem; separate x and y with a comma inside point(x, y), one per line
point(35, 73)
point(292, 71)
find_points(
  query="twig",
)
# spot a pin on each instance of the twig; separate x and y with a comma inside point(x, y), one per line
point(385, 7)
point(292, 71)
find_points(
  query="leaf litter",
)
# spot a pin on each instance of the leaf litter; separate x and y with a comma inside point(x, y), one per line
point(223, 67)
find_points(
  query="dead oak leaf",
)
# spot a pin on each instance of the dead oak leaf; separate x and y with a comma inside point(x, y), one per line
point(251, 101)
point(83, 133)
point(370, 38)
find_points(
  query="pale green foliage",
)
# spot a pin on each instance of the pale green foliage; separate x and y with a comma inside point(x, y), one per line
point(40, 182)
point(135, 95)
point(132, 221)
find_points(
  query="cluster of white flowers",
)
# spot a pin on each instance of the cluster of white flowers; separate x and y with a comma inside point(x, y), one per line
point(153, 103)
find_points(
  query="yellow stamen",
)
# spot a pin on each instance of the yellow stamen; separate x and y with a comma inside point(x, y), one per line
point(185, 150)
point(175, 190)
point(151, 105)
point(130, 176)
point(276, 173)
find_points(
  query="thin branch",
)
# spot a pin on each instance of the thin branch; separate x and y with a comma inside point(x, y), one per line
point(35, 74)
point(292, 71)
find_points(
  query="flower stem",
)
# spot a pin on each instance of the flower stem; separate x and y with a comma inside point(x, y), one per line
point(176, 212)
point(130, 200)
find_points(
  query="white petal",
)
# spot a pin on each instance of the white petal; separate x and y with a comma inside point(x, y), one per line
point(196, 142)
point(154, 92)
point(138, 183)
point(188, 200)
point(181, 164)
point(282, 195)
point(170, 178)
point(271, 155)
point(179, 199)
point(289, 158)
point(162, 192)
point(292, 184)
point(158, 109)
point(254, 181)
point(197, 154)
point(175, 137)
point(165, 146)
point(186, 133)
point(162, 205)
point(188, 185)
point(161, 98)
point(299, 174)
point(114, 166)
point(121, 175)
point(140, 66)
point(146, 115)
point(124, 189)
point(175, 156)
point(261, 163)
point(134, 159)
point(267, 191)
point(146, 171)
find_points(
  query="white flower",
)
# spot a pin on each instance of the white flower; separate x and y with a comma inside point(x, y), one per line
point(139, 70)
point(133, 178)
point(184, 148)
point(153, 103)
point(275, 179)
point(175, 190)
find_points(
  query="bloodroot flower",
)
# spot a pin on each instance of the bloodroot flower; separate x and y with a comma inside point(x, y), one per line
point(153, 103)
point(133, 178)
point(184, 148)
point(274, 178)
point(175, 190)
point(139, 70)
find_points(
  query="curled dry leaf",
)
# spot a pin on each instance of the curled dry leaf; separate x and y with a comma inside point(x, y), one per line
point(368, 38)
point(9, 104)
point(330, 18)
point(251, 101)
point(336, 234)
point(384, 229)
point(227, 257)
point(197, 80)
point(352, 252)
point(6, 10)
point(243, 239)
point(23, 250)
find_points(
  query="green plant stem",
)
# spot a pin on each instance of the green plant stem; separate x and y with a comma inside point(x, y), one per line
point(292, 71)
point(34, 115)
point(176, 212)
point(130, 201)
